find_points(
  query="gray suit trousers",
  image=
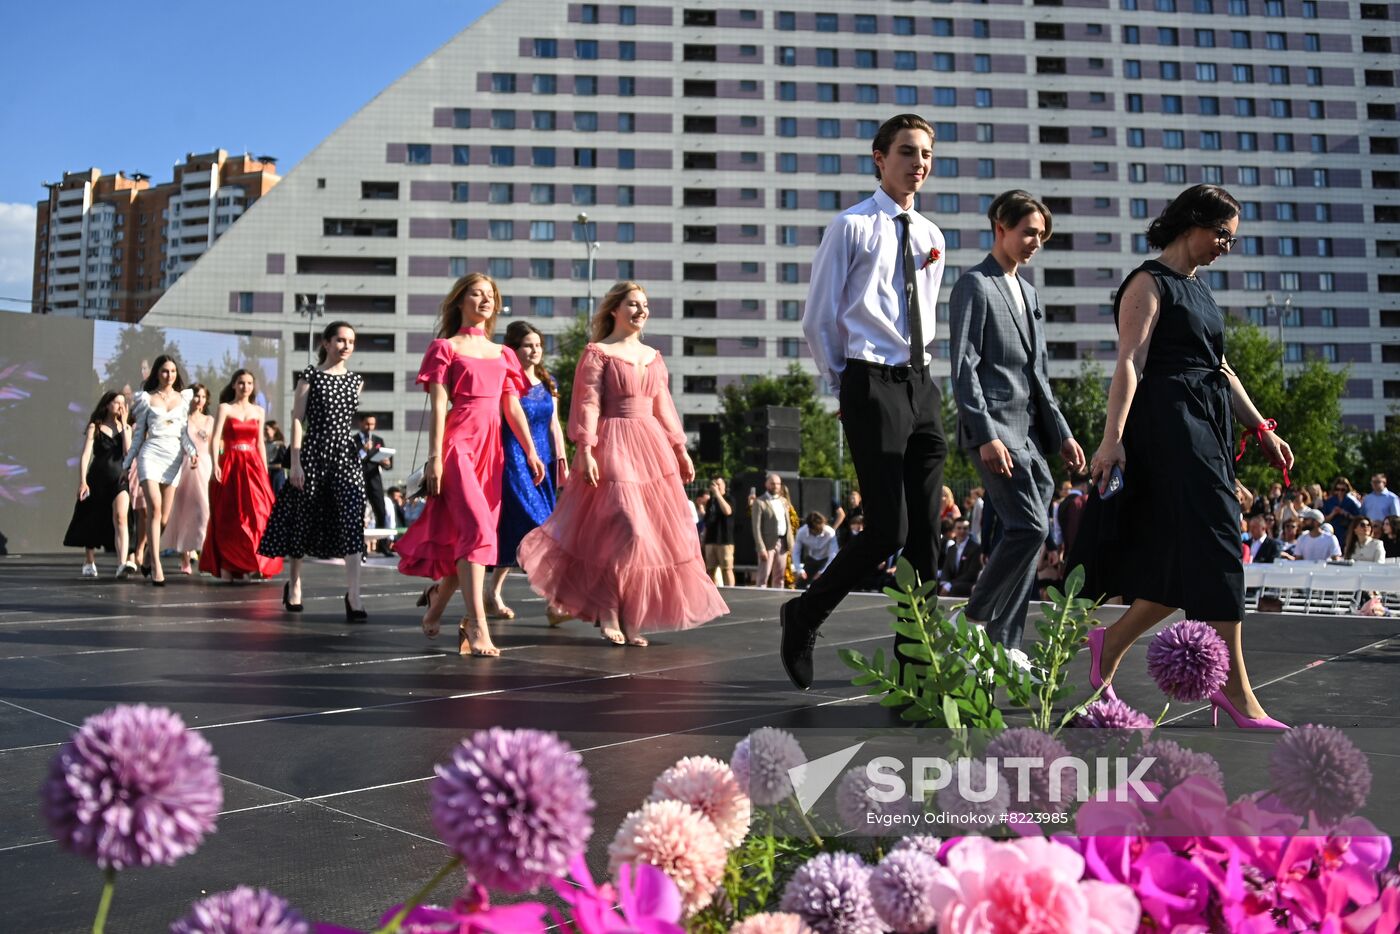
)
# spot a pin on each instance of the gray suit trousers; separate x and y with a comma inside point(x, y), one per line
point(1021, 501)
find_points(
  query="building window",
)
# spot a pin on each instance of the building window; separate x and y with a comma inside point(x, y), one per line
point(542, 230)
point(1326, 282)
point(419, 154)
point(903, 61)
point(627, 15)
point(828, 164)
point(986, 168)
point(942, 61)
point(501, 230)
point(461, 192)
point(503, 156)
point(503, 83)
point(585, 85)
point(626, 232)
point(627, 158)
point(541, 194)
point(461, 118)
point(541, 269)
point(499, 193)
point(585, 158)
point(542, 120)
point(945, 167)
point(544, 84)
point(983, 97)
point(626, 86)
point(584, 195)
point(945, 97)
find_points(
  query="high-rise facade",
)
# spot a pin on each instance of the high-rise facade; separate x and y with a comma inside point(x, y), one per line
point(107, 246)
point(709, 144)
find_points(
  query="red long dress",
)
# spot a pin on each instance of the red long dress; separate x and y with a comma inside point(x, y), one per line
point(239, 505)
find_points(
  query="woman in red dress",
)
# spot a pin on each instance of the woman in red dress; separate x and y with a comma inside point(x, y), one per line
point(240, 496)
point(455, 538)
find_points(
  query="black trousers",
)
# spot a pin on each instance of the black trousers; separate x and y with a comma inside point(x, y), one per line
point(374, 492)
point(893, 420)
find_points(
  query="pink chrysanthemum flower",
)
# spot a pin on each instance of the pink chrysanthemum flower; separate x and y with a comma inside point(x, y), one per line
point(708, 786)
point(514, 805)
point(772, 922)
point(243, 910)
point(678, 840)
point(133, 787)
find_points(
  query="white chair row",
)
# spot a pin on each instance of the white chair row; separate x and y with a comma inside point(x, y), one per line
point(1313, 587)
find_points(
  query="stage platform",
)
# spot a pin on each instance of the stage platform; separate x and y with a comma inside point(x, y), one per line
point(327, 733)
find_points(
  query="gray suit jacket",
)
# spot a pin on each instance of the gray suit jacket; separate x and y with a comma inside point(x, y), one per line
point(999, 377)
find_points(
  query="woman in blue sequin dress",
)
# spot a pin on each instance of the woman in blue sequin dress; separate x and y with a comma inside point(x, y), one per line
point(523, 504)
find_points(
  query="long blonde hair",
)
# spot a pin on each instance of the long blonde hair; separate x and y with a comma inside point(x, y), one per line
point(449, 320)
point(602, 324)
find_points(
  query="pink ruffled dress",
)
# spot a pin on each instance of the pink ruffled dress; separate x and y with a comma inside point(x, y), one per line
point(459, 524)
point(625, 550)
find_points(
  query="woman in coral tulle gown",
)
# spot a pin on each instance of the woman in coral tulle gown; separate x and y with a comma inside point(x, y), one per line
point(454, 539)
point(189, 517)
point(621, 546)
point(240, 496)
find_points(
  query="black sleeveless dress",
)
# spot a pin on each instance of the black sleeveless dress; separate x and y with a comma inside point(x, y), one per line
point(91, 526)
point(326, 518)
point(1172, 535)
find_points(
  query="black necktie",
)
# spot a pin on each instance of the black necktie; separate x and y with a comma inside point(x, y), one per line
point(911, 297)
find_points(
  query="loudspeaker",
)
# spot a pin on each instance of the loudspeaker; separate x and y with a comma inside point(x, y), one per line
point(781, 439)
point(816, 496)
point(711, 442)
point(779, 461)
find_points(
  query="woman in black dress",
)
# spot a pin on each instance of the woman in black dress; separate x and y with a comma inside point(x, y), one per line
point(100, 515)
point(321, 510)
point(1170, 430)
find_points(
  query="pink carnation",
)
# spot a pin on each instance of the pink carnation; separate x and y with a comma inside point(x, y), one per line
point(772, 922)
point(708, 786)
point(1031, 884)
point(678, 840)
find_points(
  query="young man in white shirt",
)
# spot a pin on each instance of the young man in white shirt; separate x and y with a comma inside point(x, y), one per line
point(1316, 543)
point(869, 320)
point(813, 549)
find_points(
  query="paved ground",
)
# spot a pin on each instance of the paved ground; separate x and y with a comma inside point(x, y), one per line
point(327, 733)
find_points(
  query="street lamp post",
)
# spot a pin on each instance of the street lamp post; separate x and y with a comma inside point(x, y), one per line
point(1279, 314)
point(591, 251)
point(312, 312)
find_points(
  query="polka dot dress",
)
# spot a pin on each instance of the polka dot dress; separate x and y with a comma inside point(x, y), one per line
point(324, 519)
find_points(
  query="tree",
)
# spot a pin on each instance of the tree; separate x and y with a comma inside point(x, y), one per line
point(1380, 453)
point(570, 343)
point(959, 472)
point(821, 431)
point(1306, 403)
point(1083, 401)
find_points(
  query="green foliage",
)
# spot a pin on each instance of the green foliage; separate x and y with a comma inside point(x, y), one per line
point(251, 353)
point(821, 431)
point(1083, 400)
point(1306, 403)
point(1362, 453)
point(570, 347)
point(754, 877)
point(959, 472)
point(952, 667)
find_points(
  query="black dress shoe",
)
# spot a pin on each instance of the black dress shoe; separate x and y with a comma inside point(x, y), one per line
point(796, 647)
point(352, 615)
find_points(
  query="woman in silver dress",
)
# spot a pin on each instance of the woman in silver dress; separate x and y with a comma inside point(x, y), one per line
point(159, 444)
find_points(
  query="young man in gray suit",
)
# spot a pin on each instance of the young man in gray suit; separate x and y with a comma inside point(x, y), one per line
point(1007, 417)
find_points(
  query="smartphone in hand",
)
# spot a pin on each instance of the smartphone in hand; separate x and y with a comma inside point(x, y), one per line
point(1114, 484)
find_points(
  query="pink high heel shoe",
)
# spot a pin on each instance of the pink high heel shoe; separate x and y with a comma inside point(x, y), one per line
point(1218, 700)
point(1095, 641)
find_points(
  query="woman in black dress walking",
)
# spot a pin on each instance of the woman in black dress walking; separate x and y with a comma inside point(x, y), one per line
point(1170, 430)
point(100, 514)
point(321, 510)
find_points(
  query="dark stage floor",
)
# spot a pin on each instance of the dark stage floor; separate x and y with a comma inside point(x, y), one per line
point(327, 733)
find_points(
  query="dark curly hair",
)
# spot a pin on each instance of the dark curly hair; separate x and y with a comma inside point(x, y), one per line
point(1198, 206)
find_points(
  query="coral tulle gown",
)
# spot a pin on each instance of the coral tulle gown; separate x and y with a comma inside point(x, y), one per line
point(239, 505)
point(459, 524)
point(189, 515)
point(624, 551)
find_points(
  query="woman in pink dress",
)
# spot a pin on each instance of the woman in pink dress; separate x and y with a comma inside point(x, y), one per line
point(190, 515)
point(621, 546)
point(454, 539)
point(240, 497)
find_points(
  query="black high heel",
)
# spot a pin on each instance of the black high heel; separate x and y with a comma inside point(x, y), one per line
point(426, 596)
point(156, 583)
point(353, 615)
point(145, 570)
point(287, 603)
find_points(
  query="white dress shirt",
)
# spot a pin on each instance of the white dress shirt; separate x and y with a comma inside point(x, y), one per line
point(814, 546)
point(855, 302)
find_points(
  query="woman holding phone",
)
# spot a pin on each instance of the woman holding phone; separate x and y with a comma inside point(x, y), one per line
point(1168, 449)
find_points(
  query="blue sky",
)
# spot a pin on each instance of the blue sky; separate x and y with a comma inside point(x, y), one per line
point(135, 86)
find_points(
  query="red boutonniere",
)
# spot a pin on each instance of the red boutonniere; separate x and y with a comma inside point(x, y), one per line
point(934, 255)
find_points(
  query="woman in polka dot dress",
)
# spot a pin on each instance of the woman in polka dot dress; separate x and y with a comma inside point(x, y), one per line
point(320, 511)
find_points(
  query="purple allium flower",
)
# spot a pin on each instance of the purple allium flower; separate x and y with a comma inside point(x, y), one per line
point(951, 800)
point(921, 842)
point(904, 889)
point(1188, 660)
point(831, 892)
point(242, 911)
point(761, 762)
point(1113, 715)
point(1175, 763)
point(1024, 742)
point(133, 787)
point(1318, 769)
point(514, 805)
point(858, 811)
